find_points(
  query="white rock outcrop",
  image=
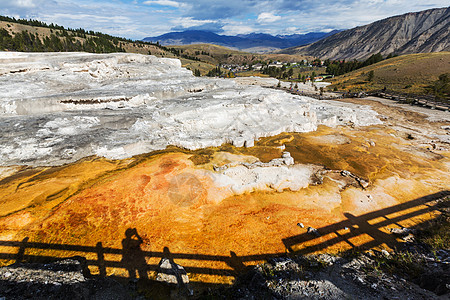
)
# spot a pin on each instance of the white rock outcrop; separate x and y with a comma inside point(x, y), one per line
point(277, 175)
point(60, 107)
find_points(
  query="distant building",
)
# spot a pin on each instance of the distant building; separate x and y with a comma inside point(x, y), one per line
point(257, 67)
point(276, 64)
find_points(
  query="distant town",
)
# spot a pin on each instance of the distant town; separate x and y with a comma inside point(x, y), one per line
point(303, 70)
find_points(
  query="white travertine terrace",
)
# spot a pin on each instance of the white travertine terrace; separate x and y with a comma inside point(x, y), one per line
point(60, 107)
point(278, 174)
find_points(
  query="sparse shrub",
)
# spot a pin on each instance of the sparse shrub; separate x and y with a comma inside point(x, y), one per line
point(404, 263)
point(441, 87)
point(370, 76)
point(436, 233)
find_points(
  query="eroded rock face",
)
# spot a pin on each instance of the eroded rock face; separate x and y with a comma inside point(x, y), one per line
point(60, 107)
point(419, 32)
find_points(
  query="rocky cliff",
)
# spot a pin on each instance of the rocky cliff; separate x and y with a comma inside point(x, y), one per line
point(419, 32)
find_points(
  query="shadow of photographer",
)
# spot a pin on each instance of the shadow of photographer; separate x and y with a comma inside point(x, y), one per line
point(133, 258)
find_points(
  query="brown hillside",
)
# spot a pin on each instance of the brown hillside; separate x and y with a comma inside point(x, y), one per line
point(410, 73)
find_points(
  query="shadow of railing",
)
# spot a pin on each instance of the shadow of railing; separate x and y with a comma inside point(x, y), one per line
point(367, 224)
point(355, 226)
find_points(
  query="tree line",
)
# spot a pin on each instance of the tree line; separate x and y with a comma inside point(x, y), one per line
point(441, 87)
point(280, 73)
point(79, 32)
point(337, 68)
point(30, 42)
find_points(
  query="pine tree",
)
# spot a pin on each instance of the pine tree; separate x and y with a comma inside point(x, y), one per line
point(370, 76)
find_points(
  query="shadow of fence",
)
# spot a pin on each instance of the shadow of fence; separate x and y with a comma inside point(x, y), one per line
point(367, 224)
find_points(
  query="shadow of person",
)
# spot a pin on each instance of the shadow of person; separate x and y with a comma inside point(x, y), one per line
point(133, 258)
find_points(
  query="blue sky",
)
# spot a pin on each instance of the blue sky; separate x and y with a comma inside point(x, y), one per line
point(137, 19)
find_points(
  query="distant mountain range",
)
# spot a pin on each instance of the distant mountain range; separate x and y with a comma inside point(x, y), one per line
point(419, 32)
point(253, 42)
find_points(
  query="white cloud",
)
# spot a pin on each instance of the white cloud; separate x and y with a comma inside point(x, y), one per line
point(20, 4)
point(190, 22)
point(266, 17)
point(25, 3)
point(290, 30)
point(141, 18)
point(164, 3)
point(234, 29)
point(91, 17)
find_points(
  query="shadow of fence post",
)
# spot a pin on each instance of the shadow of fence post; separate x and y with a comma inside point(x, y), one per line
point(21, 253)
point(100, 259)
point(236, 263)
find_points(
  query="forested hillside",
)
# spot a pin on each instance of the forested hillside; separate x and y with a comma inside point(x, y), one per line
point(37, 36)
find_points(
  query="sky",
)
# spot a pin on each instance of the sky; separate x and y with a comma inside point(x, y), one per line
point(137, 19)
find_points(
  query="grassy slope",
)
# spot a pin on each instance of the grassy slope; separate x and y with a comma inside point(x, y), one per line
point(409, 73)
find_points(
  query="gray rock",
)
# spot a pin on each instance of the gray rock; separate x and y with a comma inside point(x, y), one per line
point(399, 231)
point(364, 184)
point(346, 173)
point(313, 231)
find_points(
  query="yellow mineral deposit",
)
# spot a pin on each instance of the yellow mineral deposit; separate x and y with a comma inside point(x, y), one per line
point(172, 200)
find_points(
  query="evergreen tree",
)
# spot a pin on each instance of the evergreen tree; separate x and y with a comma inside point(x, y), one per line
point(370, 76)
